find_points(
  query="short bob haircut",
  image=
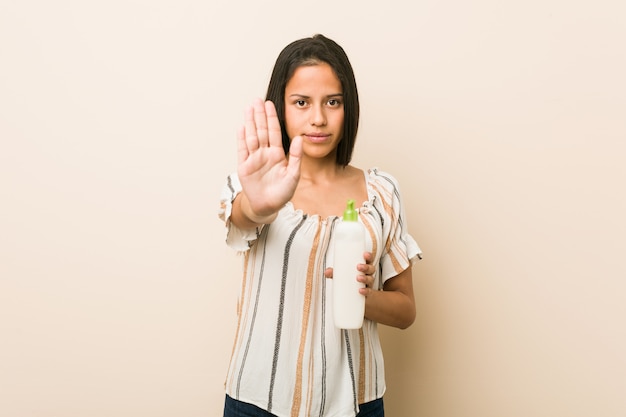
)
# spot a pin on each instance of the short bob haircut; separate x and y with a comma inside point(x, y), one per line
point(309, 52)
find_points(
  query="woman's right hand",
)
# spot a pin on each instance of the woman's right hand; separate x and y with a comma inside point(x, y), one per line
point(267, 176)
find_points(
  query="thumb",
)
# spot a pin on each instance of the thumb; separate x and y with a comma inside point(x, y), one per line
point(295, 157)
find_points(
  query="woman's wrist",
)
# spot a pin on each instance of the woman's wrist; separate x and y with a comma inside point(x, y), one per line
point(252, 216)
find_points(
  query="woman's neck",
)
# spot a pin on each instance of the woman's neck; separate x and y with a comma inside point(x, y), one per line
point(320, 170)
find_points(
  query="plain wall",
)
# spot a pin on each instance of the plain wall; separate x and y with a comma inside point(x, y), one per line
point(503, 121)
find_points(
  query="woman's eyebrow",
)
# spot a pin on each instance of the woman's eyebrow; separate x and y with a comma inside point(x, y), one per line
point(305, 96)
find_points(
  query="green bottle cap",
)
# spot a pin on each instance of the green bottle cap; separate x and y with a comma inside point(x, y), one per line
point(350, 215)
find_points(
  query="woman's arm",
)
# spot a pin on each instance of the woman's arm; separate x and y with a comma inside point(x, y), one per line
point(268, 177)
point(244, 218)
point(395, 304)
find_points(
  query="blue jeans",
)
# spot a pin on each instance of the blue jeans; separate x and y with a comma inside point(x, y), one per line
point(234, 408)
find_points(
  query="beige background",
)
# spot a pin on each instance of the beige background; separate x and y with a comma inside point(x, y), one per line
point(503, 121)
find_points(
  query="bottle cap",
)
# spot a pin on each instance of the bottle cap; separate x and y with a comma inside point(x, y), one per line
point(350, 214)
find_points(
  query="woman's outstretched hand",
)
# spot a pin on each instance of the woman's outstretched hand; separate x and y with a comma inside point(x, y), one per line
point(267, 176)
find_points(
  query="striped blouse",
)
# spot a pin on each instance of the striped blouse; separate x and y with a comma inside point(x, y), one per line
point(288, 357)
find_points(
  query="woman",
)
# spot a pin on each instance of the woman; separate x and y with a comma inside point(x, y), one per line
point(292, 183)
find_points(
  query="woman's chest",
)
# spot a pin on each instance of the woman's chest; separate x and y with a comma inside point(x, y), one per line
point(328, 200)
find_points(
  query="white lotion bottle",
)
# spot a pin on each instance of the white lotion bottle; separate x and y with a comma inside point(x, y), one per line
point(348, 302)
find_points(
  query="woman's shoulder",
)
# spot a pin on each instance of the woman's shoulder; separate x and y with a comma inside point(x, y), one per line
point(382, 178)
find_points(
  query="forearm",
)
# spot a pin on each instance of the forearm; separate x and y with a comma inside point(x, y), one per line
point(392, 308)
point(243, 217)
point(394, 305)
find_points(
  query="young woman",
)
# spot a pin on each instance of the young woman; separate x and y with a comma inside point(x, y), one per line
point(292, 183)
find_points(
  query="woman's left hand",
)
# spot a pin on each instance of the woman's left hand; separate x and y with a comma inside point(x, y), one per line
point(394, 304)
point(366, 274)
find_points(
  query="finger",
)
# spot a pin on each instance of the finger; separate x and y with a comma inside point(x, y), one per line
point(368, 257)
point(367, 268)
point(250, 133)
point(242, 147)
point(260, 120)
point(273, 125)
point(328, 272)
point(367, 280)
point(295, 157)
point(367, 285)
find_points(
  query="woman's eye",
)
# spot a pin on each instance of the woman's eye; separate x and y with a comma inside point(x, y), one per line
point(333, 102)
point(300, 103)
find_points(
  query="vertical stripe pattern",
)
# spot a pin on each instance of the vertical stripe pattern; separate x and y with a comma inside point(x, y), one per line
point(297, 395)
point(281, 312)
point(287, 357)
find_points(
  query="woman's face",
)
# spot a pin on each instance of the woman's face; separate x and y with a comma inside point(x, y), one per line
point(314, 110)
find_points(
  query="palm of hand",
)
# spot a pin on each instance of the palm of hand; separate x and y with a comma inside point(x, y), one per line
point(268, 178)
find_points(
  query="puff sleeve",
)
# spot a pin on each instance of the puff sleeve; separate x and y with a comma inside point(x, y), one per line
point(400, 249)
point(236, 238)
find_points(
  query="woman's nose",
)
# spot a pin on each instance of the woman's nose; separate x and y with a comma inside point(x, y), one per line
point(318, 116)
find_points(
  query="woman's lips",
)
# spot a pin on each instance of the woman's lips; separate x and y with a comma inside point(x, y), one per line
point(317, 137)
